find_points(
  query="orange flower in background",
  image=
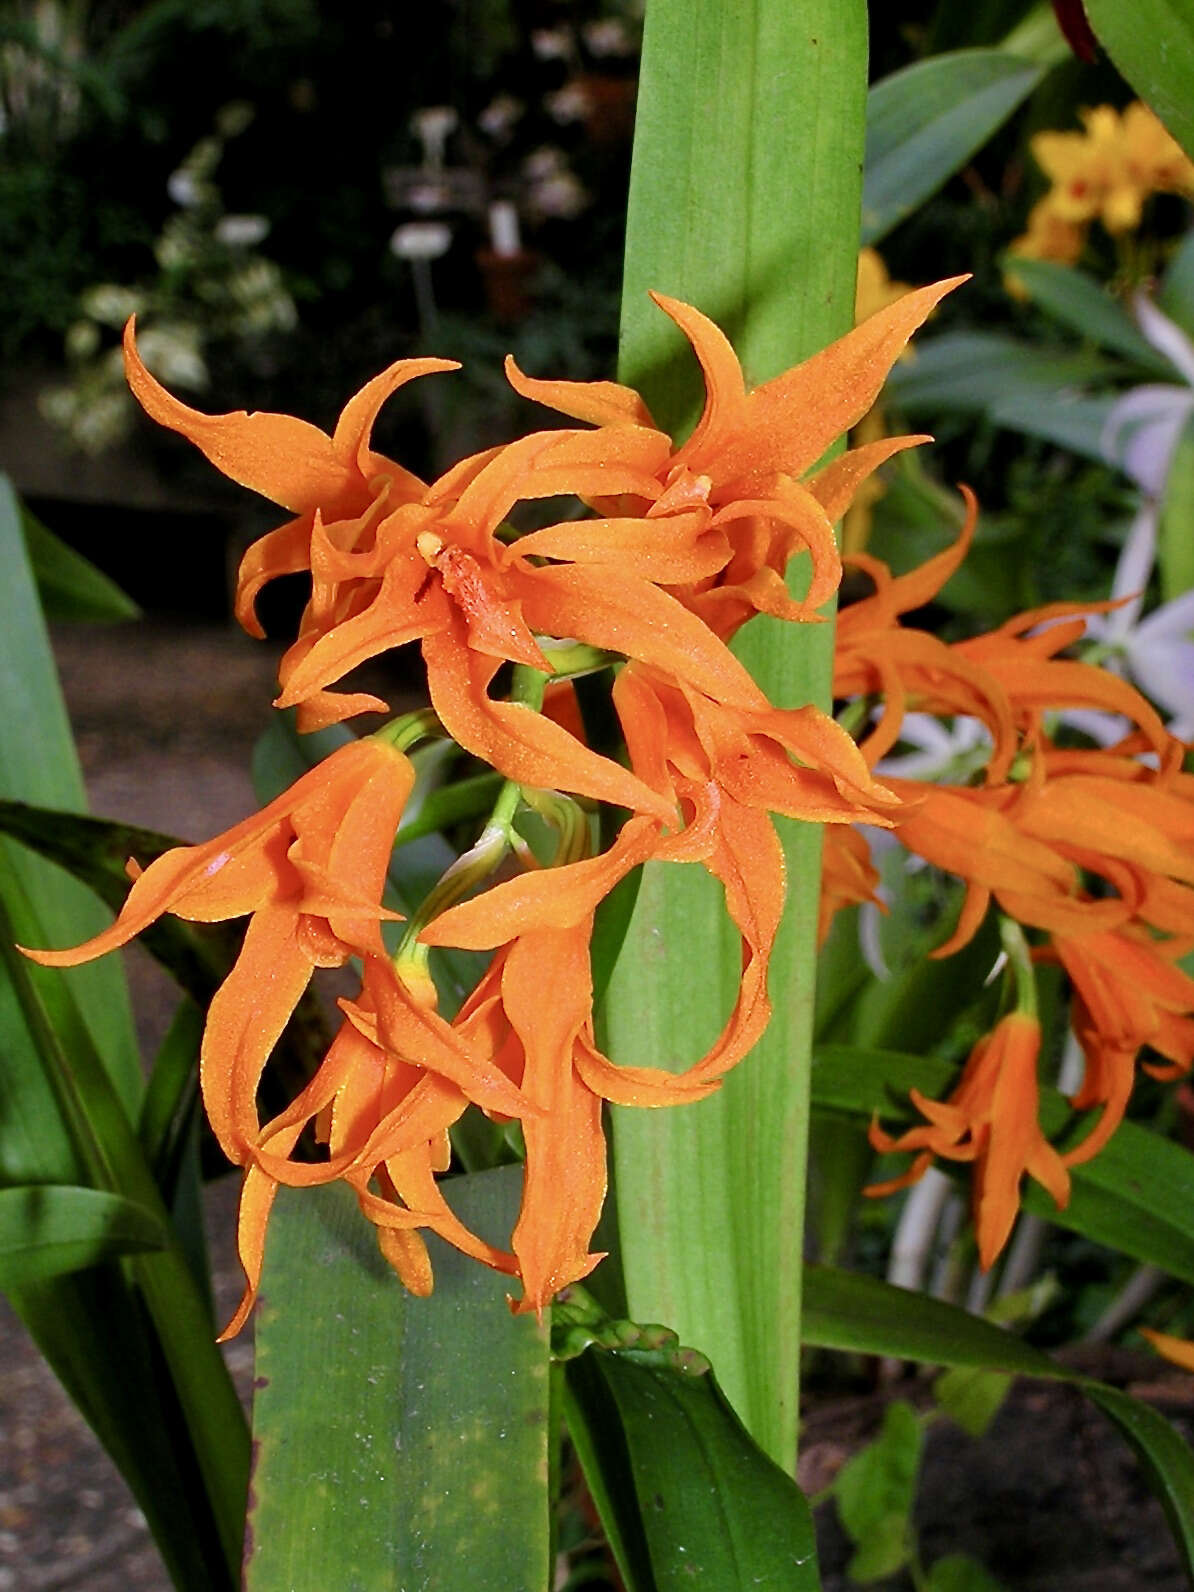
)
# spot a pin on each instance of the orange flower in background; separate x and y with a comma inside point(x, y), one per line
point(1089, 848)
point(1104, 173)
point(990, 1119)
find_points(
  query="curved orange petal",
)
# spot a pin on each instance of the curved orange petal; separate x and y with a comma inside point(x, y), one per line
point(565, 1178)
point(244, 1022)
point(788, 423)
point(637, 619)
point(670, 550)
point(834, 486)
point(288, 461)
point(256, 1201)
point(520, 743)
point(725, 389)
point(350, 439)
point(557, 899)
point(602, 403)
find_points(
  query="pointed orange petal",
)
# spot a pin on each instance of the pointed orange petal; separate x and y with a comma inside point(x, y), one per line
point(602, 403)
point(521, 744)
point(725, 390)
point(256, 1201)
point(1177, 1350)
point(288, 461)
point(788, 423)
point(551, 898)
point(637, 619)
point(671, 550)
point(350, 440)
point(834, 486)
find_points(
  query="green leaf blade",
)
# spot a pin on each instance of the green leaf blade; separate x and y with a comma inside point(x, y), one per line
point(47, 1230)
point(1152, 44)
point(925, 121)
point(400, 1442)
point(744, 201)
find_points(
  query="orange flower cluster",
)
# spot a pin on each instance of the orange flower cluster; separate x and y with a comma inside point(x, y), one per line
point(1102, 174)
point(685, 542)
point(1090, 849)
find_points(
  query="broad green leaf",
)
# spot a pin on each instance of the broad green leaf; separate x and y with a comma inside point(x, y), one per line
point(91, 1327)
point(970, 371)
point(875, 1491)
point(401, 1443)
point(47, 1229)
point(1136, 1196)
point(1175, 544)
point(1071, 420)
point(864, 1316)
point(1152, 44)
point(744, 201)
point(971, 1396)
point(685, 1495)
point(926, 120)
point(1087, 307)
point(38, 764)
point(958, 1572)
point(69, 585)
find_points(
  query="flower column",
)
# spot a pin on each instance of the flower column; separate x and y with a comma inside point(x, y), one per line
point(745, 200)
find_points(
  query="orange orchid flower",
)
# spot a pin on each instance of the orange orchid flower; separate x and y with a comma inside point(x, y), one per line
point(739, 475)
point(293, 464)
point(542, 925)
point(384, 1120)
point(309, 870)
point(1007, 678)
point(990, 1119)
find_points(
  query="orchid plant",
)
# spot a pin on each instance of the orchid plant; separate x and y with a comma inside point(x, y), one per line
point(669, 755)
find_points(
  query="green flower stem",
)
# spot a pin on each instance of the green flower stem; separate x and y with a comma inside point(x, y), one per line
point(1019, 957)
point(411, 728)
point(472, 867)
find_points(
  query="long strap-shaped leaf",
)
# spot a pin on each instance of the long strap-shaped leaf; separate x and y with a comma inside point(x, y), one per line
point(401, 1443)
point(744, 201)
point(864, 1316)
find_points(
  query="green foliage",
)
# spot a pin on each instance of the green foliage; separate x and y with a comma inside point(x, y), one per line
point(69, 586)
point(733, 208)
point(131, 1340)
point(49, 1229)
point(400, 1441)
point(849, 1312)
point(875, 1492)
point(926, 121)
point(1152, 43)
point(684, 1493)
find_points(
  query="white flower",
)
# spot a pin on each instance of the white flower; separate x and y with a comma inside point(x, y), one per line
point(421, 240)
point(241, 232)
point(1143, 427)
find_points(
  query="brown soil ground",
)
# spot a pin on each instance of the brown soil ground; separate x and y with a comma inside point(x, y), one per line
point(1051, 1499)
